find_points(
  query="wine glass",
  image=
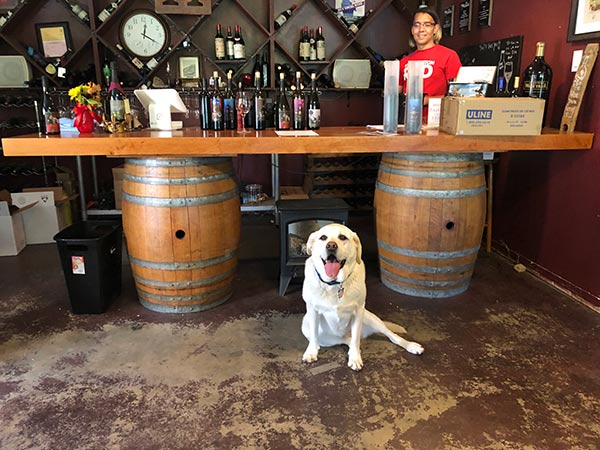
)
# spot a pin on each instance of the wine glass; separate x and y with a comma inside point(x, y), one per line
point(508, 72)
point(242, 105)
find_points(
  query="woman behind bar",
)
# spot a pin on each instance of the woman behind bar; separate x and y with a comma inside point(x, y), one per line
point(441, 63)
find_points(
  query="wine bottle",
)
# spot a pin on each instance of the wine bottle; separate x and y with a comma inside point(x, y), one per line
point(106, 12)
point(78, 11)
point(500, 78)
point(229, 53)
point(116, 95)
point(265, 69)
point(515, 90)
point(4, 18)
point(284, 16)
point(204, 100)
point(49, 68)
point(229, 113)
point(239, 46)
point(304, 45)
point(313, 46)
point(537, 77)
point(259, 104)
point(298, 103)
point(219, 44)
point(282, 119)
point(314, 107)
point(360, 22)
point(49, 111)
point(216, 107)
point(131, 58)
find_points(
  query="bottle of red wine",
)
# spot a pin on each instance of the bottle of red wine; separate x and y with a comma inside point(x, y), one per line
point(314, 107)
point(219, 44)
point(49, 110)
point(239, 46)
point(216, 107)
point(229, 53)
point(229, 113)
point(205, 119)
point(313, 46)
point(298, 102)
point(537, 77)
point(106, 12)
point(304, 45)
point(360, 22)
point(259, 104)
point(131, 58)
point(116, 95)
point(284, 16)
point(282, 113)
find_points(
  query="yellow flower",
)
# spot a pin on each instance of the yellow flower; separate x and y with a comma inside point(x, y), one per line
point(86, 94)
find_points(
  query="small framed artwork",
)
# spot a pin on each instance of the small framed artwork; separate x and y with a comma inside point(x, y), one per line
point(189, 67)
point(484, 13)
point(448, 21)
point(54, 39)
point(584, 23)
point(464, 16)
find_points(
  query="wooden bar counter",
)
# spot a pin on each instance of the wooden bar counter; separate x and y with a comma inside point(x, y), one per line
point(181, 213)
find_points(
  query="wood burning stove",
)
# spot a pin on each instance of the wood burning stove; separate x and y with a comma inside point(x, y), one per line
point(297, 220)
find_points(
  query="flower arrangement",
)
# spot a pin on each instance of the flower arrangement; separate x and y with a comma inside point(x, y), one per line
point(87, 97)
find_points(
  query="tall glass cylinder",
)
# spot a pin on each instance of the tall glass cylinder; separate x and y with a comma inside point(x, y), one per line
point(413, 119)
point(390, 96)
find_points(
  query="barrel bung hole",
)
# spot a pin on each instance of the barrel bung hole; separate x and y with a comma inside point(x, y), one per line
point(449, 225)
point(180, 234)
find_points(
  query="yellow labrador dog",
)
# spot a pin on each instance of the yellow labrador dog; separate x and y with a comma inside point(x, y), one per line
point(334, 291)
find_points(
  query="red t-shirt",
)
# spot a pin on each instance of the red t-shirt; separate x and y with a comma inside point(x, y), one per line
point(441, 64)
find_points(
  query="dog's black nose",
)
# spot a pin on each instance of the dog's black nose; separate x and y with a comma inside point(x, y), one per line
point(331, 246)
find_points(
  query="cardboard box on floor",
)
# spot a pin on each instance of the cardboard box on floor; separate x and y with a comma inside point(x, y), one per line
point(496, 116)
point(50, 214)
point(12, 230)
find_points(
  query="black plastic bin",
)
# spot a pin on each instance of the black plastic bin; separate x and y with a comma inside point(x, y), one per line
point(90, 254)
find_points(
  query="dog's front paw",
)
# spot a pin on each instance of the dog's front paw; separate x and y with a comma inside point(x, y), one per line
point(355, 361)
point(311, 354)
point(415, 348)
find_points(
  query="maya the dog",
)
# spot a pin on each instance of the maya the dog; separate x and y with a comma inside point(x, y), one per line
point(334, 291)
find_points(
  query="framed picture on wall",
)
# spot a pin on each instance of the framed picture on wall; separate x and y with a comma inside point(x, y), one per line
point(54, 39)
point(584, 23)
point(464, 16)
point(189, 67)
point(484, 13)
point(448, 21)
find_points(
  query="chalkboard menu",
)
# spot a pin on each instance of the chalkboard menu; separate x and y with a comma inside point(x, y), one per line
point(464, 16)
point(484, 13)
point(448, 21)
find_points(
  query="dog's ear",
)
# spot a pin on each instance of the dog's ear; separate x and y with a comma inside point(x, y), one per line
point(358, 246)
point(311, 241)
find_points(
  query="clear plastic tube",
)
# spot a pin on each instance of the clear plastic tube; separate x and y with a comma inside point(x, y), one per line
point(413, 119)
point(390, 96)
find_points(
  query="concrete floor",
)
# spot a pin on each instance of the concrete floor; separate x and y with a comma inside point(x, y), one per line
point(510, 364)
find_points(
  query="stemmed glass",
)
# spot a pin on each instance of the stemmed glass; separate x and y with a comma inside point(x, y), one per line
point(242, 104)
point(508, 72)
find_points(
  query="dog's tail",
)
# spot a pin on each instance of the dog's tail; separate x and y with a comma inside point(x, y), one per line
point(395, 327)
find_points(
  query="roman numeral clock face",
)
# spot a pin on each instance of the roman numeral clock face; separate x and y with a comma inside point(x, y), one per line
point(144, 34)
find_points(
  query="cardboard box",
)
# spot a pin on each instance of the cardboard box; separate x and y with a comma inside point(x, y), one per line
point(496, 116)
point(118, 173)
point(292, 193)
point(12, 230)
point(51, 212)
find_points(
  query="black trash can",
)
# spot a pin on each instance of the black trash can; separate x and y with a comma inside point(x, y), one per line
point(90, 254)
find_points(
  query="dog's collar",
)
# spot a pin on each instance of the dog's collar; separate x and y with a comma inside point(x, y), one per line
point(330, 283)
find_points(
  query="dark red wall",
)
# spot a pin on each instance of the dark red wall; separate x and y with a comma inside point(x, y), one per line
point(547, 204)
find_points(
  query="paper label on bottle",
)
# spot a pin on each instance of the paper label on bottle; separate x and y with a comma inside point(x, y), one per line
point(304, 50)
point(314, 118)
point(220, 48)
point(239, 51)
point(78, 265)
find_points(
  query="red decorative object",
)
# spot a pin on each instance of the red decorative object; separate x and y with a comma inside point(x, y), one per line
point(84, 118)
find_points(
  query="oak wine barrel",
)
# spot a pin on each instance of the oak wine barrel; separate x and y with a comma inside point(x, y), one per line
point(430, 213)
point(181, 219)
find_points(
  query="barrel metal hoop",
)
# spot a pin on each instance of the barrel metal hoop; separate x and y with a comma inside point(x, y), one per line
point(430, 174)
point(425, 254)
point(177, 202)
point(182, 309)
point(430, 193)
point(432, 270)
point(428, 293)
point(185, 298)
point(426, 283)
point(436, 157)
point(189, 265)
point(185, 284)
point(178, 181)
point(175, 162)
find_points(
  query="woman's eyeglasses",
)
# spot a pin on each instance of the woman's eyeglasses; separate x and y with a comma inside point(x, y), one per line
point(423, 24)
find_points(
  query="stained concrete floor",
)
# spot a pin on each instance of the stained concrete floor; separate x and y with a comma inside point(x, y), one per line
point(510, 364)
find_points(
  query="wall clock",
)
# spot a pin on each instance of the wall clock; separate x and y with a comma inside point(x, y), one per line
point(144, 33)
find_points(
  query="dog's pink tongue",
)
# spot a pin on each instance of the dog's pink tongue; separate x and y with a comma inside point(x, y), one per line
point(332, 268)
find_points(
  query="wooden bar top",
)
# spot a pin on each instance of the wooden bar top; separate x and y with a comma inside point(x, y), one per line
point(197, 142)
